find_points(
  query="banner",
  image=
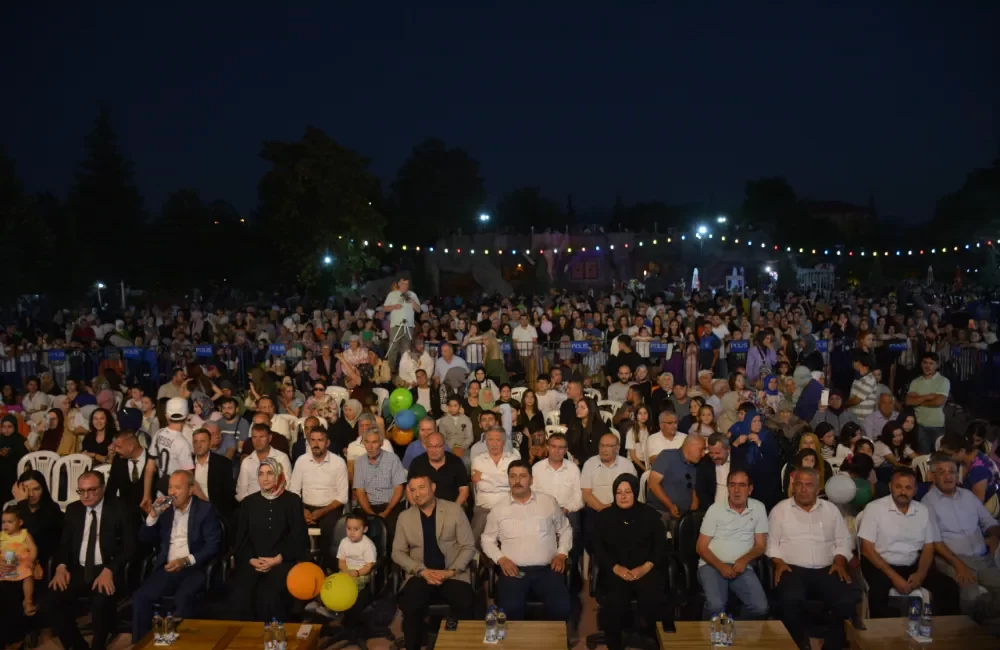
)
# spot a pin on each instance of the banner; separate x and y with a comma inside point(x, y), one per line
point(897, 346)
point(739, 346)
point(132, 353)
point(278, 349)
point(57, 355)
point(822, 345)
point(203, 351)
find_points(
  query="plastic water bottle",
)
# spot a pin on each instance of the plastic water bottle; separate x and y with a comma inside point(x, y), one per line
point(913, 618)
point(501, 625)
point(159, 631)
point(715, 630)
point(280, 639)
point(728, 625)
point(169, 628)
point(491, 624)
point(268, 636)
point(925, 621)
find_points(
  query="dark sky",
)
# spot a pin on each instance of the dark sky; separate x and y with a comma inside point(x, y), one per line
point(681, 104)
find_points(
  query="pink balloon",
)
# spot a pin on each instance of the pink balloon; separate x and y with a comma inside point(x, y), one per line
point(547, 327)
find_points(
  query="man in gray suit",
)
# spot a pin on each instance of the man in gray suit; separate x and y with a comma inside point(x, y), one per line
point(434, 547)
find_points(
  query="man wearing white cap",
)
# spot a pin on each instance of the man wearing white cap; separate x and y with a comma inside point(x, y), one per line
point(170, 448)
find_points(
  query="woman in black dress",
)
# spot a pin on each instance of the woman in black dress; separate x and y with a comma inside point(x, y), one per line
point(271, 538)
point(102, 432)
point(12, 449)
point(584, 432)
point(631, 554)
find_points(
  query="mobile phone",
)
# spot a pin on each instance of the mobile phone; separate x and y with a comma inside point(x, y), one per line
point(824, 397)
point(451, 625)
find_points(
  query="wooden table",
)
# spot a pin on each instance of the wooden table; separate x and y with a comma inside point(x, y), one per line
point(694, 635)
point(230, 635)
point(948, 632)
point(521, 635)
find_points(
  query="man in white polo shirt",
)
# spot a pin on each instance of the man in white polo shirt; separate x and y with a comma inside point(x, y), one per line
point(897, 546)
point(320, 479)
point(597, 482)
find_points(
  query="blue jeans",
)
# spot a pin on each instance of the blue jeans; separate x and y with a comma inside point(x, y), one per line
point(746, 586)
point(548, 586)
point(926, 437)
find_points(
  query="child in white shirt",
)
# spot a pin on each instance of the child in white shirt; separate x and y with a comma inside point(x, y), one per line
point(356, 554)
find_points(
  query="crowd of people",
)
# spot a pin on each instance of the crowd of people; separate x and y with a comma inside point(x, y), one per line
point(534, 458)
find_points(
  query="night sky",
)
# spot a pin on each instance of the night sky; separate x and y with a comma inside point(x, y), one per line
point(680, 104)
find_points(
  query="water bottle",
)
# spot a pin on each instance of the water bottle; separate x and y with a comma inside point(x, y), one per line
point(158, 629)
point(268, 636)
point(169, 628)
point(491, 625)
point(728, 625)
point(162, 504)
point(501, 625)
point(913, 618)
point(925, 621)
point(714, 630)
point(280, 639)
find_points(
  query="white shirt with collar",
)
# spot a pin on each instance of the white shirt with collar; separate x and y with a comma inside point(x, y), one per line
point(137, 464)
point(356, 449)
point(528, 534)
point(320, 483)
point(808, 538)
point(247, 483)
point(493, 486)
point(657, 442)
point(561, 484)
point(201, 473)
point(179, 548)
point(600, 478)
point(98, 560)
point(38, 402)
point(898, 538)
point(721, 483)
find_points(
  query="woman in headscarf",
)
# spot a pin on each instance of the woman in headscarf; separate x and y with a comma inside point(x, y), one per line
point(493, 362)
point(730, 403)
point(772, 396)
point(55, 437)
point(12, 449)
point(584, 432)
point(755, 449)
point(202, 410)
point(344, 430)
point(271, 537)
point(834, 412)
point(631, 554)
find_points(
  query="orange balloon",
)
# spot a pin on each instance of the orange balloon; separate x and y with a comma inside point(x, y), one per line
point(402, 437)
point(305, 580)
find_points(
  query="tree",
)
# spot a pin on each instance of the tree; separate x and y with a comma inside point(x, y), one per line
point(28, 257)
point(990, 277)
point(769, 204)
point(974, 209)
point(436, 191)
point(316, 202)
point(105, 206)
point(526, 207)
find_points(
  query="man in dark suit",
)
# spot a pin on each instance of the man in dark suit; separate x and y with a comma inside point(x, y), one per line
point(430, 395)
point(189, 537)
point(125, 480)
point(213, 477)
point(98, 539)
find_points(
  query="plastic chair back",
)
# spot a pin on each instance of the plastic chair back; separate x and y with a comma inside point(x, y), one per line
point(518, 393)
point(41, 461)
point(555, 428)
point(593, 394)
point(552, 418)
point(382, 395)
point(74, 466)
point(338, 393)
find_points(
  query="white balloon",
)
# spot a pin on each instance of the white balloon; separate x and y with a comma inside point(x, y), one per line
point(840, 489)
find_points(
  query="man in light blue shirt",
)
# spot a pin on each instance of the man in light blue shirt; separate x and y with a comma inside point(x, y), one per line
point(733, 534)
point(963, 552)
point(427, 426)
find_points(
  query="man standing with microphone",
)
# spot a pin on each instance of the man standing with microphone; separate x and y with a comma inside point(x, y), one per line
point(400, 304)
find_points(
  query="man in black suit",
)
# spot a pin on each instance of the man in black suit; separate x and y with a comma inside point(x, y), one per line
point(189, 537)
point(98, 539)
point(213, 477)
point(125, 479)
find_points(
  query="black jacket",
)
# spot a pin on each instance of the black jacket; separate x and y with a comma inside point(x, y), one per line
point(116, 536)
point(435, 411)
point(221, 486)
point(120, 485)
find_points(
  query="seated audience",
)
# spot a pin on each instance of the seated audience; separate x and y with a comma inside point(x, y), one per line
point(446, 470)
point(969, 540)
point(189, 537)
point(213, 477)
point(596, 484)
point(379, 478)
point(897, 545)
point(434, 547)
point(125, 478)
point(528, 538)
point(713, 472)
point(426, 427)
point(356, 449)
point(982, 477)
point(260, 437)
point(810, 546)
point(559, 478)
point(733, 534)
point(456, 427)
point(320, 480)
point(489, 476)
point(631, 552)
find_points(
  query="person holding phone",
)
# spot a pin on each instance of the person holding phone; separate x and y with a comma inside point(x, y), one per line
point(400, 303)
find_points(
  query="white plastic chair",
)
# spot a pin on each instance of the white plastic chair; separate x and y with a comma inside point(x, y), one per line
point(555, 428)
point(339, 393)
point(518, 393)
point(103, 469)
point(593, 394)
point(552, 418)
point(609, 405)
point(74, 465)
point(42, 461)
point(608, 418)
point(285, 424)
point(643, 480)
point(382, 395)
point(922, 465)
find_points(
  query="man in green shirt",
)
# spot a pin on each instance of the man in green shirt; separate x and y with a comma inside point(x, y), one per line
point(927, 395)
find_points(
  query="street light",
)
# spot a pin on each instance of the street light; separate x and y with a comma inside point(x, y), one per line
point(328, 260)
point(100, 303)
point(702, 230)
point(483, 217)
point(720, 219)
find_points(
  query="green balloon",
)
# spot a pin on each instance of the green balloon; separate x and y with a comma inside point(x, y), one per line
point(864, 493)
point(419, 411)
point(400, 399)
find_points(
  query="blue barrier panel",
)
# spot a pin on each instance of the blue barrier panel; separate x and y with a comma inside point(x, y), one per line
point(897, 346)
point(132, 353)
point(203, 351)
point(57, 355)
point(580, 347)
point(505, 347)
point(739, 346)
point(823, 345)
point(656, 347)
point(278, 349)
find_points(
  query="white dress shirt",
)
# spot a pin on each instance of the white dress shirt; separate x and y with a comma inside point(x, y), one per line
point(320, 483)
point(138, 464)
point(38, 402)
point(528, 534)
point(899, 538)
point(98, 560)
point(493, 487)
point(809, 539)
point(179, 548)
point(600, 478)
point(721, 483)
point(247, 483)
point(657, 442)
point(562, 484)
point(201, 474)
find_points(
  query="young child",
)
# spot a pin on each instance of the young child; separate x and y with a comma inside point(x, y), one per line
point(18, 542)
point(356, 554)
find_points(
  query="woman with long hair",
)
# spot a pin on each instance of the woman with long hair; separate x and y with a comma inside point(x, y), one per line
point(694, 410)
point(102, 433)
point(584, 432)
point(804, 458)
point(635, 438)
point(529, 411)
point(891, 450)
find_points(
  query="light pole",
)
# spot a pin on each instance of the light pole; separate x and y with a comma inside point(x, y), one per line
point(100, 285)
point(700, 234)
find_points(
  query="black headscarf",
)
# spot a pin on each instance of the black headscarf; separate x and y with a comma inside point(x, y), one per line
point(15, 450)
point(45, 523)
point(630, 536)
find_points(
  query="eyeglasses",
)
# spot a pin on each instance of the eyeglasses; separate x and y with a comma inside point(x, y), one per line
point(83, 491)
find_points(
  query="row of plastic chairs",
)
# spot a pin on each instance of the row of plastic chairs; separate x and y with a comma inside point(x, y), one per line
point(61, 472)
